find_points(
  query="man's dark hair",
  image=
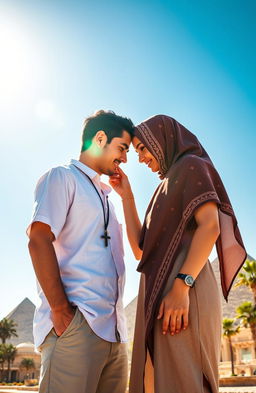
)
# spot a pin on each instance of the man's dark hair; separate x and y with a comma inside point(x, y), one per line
point(107, 121)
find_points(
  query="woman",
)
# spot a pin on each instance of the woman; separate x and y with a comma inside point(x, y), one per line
point(178, 323)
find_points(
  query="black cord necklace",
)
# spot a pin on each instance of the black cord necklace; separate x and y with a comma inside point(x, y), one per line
point(106, 236)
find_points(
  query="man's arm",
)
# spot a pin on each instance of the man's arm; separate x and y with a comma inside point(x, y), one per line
point(47, 271)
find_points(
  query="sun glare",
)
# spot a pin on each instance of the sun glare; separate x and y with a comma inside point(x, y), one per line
point(15, 64)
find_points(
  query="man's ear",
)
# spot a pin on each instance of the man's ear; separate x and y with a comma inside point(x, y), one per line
point(100, 139)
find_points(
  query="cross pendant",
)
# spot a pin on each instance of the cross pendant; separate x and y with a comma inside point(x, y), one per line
point(106, 237)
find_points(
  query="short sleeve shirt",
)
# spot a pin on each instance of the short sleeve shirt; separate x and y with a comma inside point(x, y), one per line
point(93, 275)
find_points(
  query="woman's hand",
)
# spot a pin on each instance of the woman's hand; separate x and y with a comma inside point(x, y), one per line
point(174, 308)
point(120, 183)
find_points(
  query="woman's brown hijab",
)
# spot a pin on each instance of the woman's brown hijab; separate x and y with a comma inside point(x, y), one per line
point(189, 180)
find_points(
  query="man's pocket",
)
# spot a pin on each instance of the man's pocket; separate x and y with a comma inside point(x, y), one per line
point(71, 325)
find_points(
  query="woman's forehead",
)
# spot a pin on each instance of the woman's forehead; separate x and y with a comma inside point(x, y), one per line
point(136, 141)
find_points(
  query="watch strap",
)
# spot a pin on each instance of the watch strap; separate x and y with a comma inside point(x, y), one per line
point(183, 276)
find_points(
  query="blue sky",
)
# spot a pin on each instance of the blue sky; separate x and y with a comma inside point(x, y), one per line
point(62, 60)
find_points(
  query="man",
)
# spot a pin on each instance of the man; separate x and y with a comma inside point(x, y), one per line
point(76, 249)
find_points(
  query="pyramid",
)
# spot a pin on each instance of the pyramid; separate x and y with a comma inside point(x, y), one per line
point(23, 315)
point(236, 296)
point(130, 313)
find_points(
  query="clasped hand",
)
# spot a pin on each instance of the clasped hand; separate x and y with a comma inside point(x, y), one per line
point(174, 309)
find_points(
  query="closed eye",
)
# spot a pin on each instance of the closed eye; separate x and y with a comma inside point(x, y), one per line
point(123, 147)
point(141, 148)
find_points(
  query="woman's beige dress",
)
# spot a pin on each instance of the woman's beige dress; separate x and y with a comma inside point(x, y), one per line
point(186, 362)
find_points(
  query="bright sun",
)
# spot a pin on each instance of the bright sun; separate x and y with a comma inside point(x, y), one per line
point(15, 64)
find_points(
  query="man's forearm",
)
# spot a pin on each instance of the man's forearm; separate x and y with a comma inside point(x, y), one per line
point(47, 271)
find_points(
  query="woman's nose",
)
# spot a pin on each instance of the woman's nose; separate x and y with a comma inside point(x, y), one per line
point(140, 157)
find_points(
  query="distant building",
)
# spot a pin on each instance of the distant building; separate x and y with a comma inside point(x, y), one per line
point(25, 350)
point(244, 354)
point(243, 344)
point(22, 315)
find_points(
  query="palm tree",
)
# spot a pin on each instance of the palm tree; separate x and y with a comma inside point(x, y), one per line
point(247, 313)
point(7, 329)
point(10, 353)
point(2, 360)
point(230, 330)
point(248, 277)
point(27, 364)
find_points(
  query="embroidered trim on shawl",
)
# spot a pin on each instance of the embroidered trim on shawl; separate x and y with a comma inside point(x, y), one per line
point(173, 246)
point(145, 131)
point(227, 208)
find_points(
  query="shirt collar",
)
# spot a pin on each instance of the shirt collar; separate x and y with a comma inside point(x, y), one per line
point(92, 174)
point(86, 169)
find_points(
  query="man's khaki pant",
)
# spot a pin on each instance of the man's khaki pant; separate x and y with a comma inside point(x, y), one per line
point(80, 362)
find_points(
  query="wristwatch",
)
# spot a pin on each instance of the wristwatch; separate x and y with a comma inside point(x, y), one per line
point(188, 280)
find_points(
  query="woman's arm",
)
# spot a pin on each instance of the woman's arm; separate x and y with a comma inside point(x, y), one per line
point(133, 225)
point(175, 305)
point(205, 236)
point(121, 185)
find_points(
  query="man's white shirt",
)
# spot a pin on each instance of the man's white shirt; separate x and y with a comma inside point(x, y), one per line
point(93, 275)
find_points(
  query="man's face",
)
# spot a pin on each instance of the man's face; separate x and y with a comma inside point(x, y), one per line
point(114, 153)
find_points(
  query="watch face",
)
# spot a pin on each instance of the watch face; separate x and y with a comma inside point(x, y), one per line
point(189, 280)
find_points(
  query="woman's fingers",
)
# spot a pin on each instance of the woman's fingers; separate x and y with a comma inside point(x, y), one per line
point(173, 320)
point(166, 322)
point(178, 322)
point(120, 171)
point(174, 311)
point(173, 323)
point(185, 320)
point(161, 311)
point(114, 180)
